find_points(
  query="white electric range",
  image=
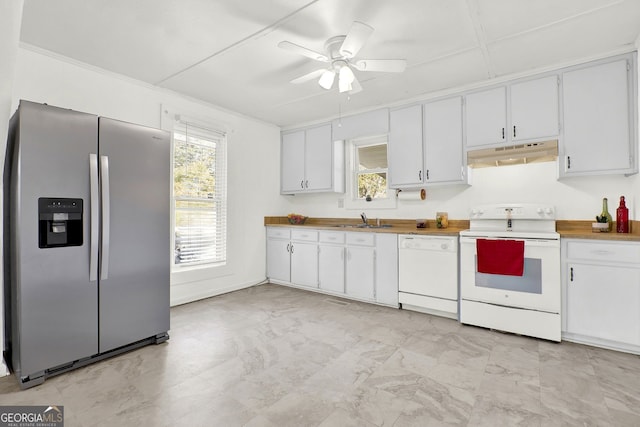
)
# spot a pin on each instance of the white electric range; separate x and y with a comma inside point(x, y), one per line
point(527, 304)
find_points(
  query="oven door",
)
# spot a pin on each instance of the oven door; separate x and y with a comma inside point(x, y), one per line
point(537, 289)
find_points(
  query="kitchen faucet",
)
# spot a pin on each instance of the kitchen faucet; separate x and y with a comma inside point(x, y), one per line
point(364, 218)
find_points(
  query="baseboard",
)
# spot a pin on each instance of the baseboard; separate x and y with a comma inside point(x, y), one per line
point(185, 299)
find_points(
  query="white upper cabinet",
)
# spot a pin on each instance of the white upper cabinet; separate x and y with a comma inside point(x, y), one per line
point(486, 117)
point(292, 178)
point(534, 109)
point(318, 158)
point(311, 161)
point(405, 147)
point(522, 111)
point(443, 149)
point(599, 127)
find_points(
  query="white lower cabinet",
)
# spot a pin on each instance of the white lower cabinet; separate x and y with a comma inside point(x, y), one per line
point(602, 293)
point(387, 269)
point(331, 259)
point(292, 256)
point(360, 272)
point(278, 255)
point(358, 265)
point(304, 263)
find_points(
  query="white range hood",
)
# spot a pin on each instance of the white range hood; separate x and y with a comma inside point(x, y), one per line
point(534, 152)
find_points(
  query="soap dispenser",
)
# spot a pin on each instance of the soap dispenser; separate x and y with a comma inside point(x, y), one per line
point(622, 217)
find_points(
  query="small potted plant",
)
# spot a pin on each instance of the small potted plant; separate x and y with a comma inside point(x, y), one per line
point(603, 221)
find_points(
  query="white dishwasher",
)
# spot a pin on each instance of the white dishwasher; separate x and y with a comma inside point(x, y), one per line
point(428, 274)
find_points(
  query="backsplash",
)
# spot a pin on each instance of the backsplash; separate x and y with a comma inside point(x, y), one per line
point(574, 198)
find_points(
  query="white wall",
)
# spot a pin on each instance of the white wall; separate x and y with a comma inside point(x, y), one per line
point(575, 198)
point(253, 156)
point(10, 20)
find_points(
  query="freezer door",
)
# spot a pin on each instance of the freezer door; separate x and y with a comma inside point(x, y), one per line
point(134, 268)
point(54, 301)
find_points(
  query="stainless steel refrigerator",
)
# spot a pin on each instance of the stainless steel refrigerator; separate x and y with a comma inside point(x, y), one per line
point(86, 239)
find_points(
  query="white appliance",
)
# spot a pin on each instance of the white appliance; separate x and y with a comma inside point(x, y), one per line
point(527, 304)
point(428, 274)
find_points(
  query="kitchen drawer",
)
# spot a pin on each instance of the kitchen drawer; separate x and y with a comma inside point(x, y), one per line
point(304, 235)
point(603, 252)
point(332, 237)
point(361, 239)
point(278, 233)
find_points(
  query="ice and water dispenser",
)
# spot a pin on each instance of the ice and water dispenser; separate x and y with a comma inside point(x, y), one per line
point(60, 222)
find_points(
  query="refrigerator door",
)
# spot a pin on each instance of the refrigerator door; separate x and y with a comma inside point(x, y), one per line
point(135, 249)
point(54, 301)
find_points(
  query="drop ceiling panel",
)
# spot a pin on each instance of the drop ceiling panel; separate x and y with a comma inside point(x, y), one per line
point(146, 39)
point(504, 18)
point(569, 40)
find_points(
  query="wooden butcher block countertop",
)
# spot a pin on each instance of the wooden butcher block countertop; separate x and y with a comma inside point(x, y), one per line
point(568, 229)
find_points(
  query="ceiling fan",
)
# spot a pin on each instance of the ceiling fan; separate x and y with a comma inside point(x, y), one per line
point(340, 52)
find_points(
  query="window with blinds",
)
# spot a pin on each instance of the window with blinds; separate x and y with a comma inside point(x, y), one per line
point(199, 195)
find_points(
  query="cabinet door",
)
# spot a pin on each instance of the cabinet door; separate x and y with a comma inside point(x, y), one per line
point(360, 272)
point(486, 117)
point(604, 302)
point(331, 268)
point(304, 264)
point(405, 147)
point(443, 141)
point(278, 261)
point(386, 269)
point(292, 162)
point(534, 109)
point(318, 158)
point(596, 119)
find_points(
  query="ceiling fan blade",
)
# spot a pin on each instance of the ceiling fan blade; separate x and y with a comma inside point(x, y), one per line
point(309, 76)
point(355, 86)
point(356, 38)
point(303, 51)
point(385, 65)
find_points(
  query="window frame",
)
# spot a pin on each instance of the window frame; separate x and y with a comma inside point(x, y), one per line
point(219, 198)
point(352, 201)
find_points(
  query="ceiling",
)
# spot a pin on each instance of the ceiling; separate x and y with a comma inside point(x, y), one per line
point(225, 51)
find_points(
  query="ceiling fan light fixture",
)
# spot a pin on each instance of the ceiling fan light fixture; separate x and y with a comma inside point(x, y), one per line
point(326, 79)
point(345, 78)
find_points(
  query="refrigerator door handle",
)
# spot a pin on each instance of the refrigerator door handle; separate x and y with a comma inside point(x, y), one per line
point(93, 255)
point(104, 183)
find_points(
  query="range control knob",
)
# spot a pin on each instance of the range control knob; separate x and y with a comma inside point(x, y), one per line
point(540, 211)
point(444, 246)
point(548, 211)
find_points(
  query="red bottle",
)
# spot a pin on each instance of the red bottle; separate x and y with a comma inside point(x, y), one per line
point(622, 217)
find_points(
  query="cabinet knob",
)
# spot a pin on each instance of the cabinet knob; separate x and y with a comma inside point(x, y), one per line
point(302, 184)
point(502, 133)
point(514, 131)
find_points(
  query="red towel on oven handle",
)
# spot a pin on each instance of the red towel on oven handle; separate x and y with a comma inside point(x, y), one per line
point(504, 257)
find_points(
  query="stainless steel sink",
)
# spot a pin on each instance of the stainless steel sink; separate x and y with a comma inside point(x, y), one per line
point(362, 226)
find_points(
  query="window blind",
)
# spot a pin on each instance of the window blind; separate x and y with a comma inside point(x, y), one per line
point(199, 194)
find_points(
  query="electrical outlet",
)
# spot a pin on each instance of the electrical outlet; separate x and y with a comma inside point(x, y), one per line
point(341, 203)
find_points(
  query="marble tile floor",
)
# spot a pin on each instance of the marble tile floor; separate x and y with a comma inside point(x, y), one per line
point(276, 356)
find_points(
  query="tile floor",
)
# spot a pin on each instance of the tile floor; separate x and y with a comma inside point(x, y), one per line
point(276, 356)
